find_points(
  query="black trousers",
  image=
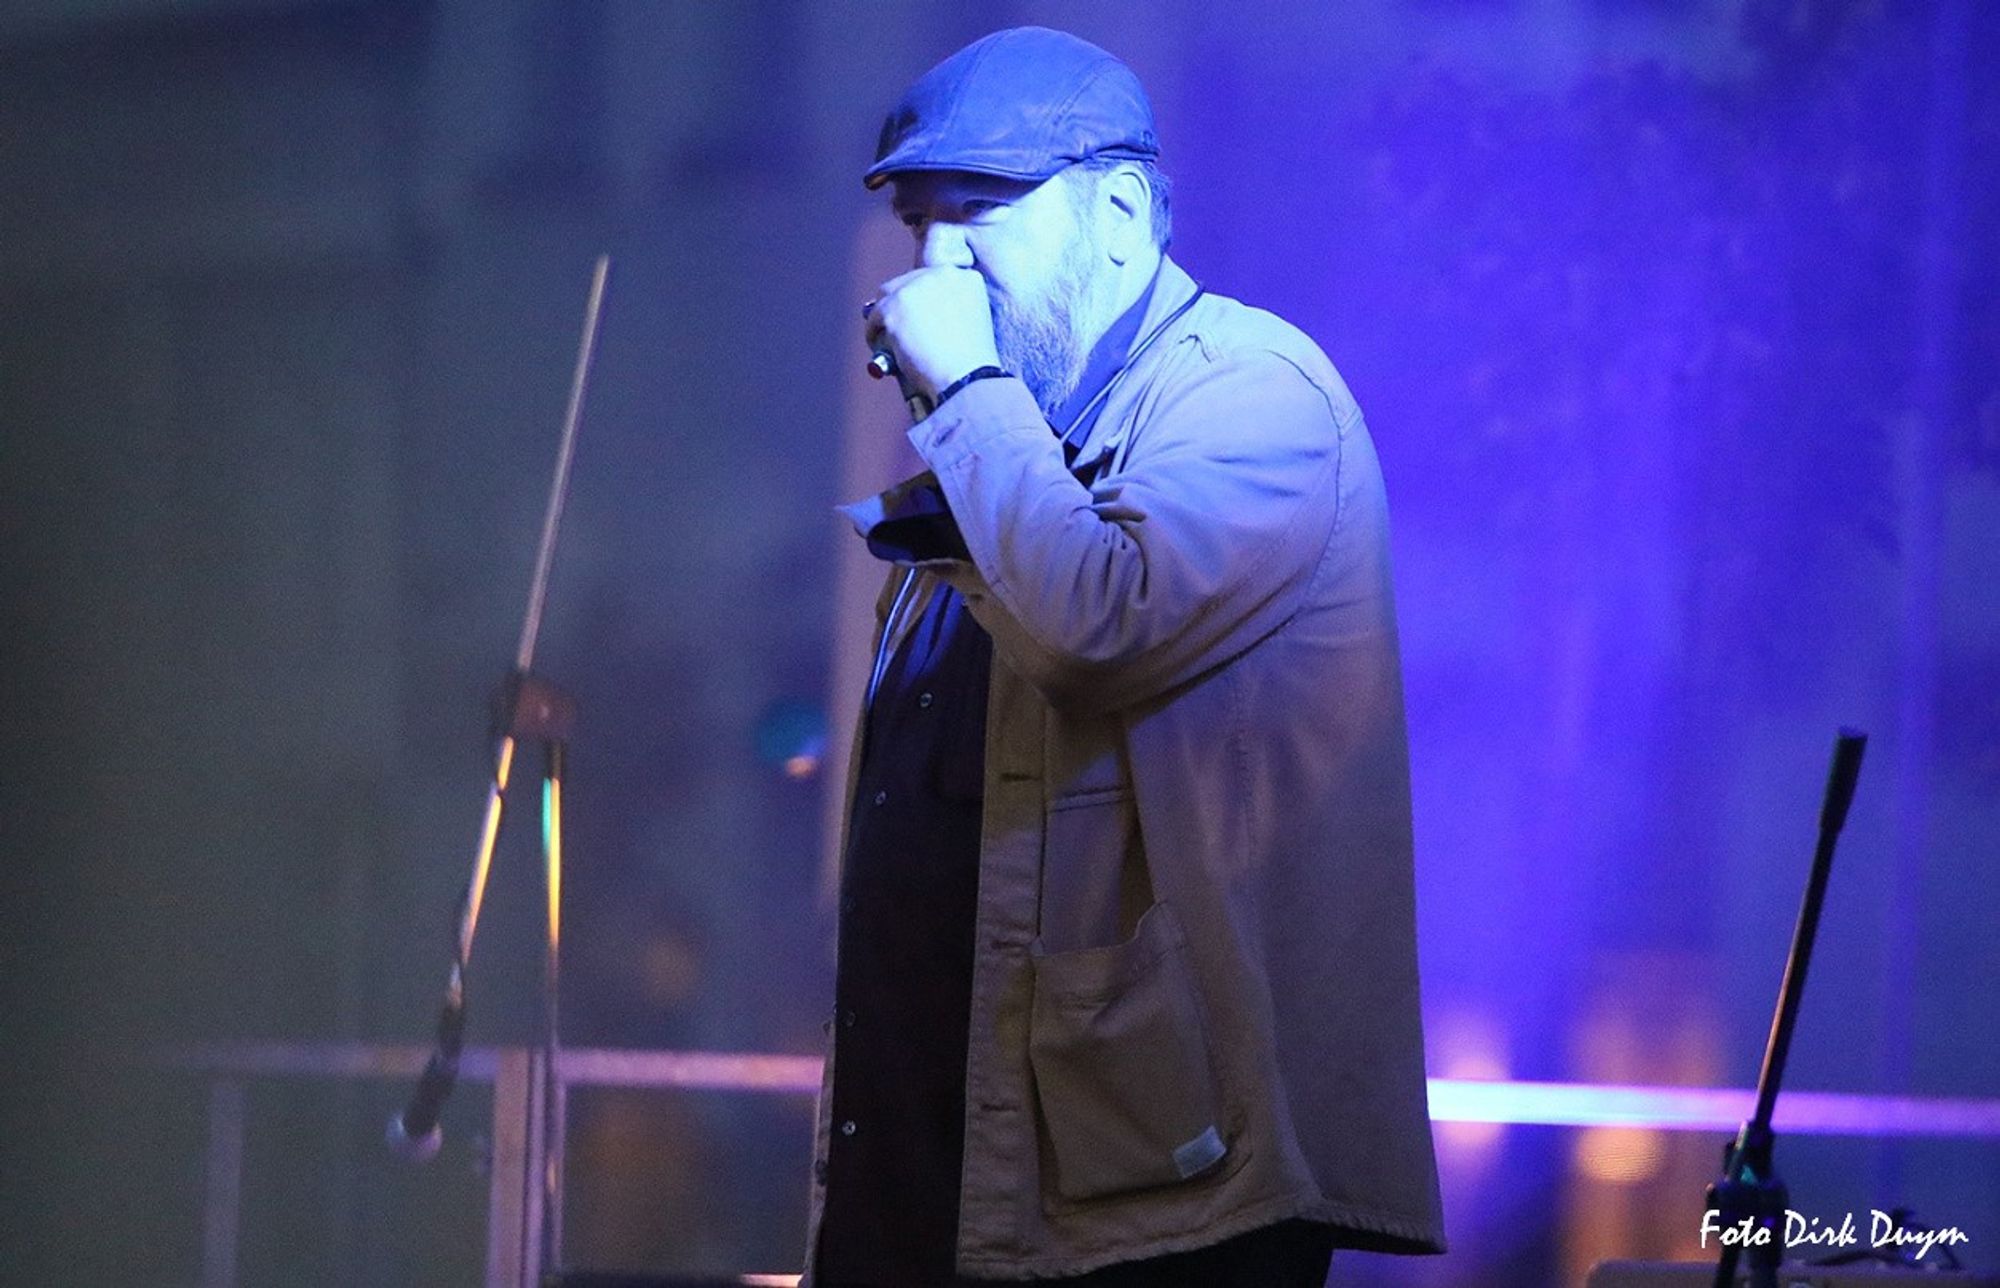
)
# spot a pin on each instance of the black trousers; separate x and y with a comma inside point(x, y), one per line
point(1290, 1254)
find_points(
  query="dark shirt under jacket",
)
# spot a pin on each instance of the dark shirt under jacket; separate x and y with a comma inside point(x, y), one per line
point(904, 987)
point(909, 892)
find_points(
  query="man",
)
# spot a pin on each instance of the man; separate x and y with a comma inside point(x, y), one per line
point(1127, 990)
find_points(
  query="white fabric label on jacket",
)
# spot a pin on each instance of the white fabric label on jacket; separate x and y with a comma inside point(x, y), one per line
point(1199, 1154)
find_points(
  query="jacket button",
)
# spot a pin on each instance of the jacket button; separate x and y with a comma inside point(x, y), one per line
point(881, 798)
point(847, 1019)
point(848, 1128)
point(924, 700)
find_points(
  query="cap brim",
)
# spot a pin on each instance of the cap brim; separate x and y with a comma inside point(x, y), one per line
point(889, 167)
point(883, 171)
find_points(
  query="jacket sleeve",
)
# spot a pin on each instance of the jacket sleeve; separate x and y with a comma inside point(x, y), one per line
point(1199, 545)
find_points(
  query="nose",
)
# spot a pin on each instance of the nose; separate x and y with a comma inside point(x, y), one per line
point(944, 244)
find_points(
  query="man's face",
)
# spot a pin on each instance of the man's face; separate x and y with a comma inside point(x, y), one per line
point(1043, 268)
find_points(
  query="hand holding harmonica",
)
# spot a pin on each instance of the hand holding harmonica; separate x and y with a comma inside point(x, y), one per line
point(928, 328)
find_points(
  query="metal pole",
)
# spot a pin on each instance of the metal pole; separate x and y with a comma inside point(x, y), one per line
point(222, 1184)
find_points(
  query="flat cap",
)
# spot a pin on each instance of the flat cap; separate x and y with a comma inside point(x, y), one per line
point(1022, 104)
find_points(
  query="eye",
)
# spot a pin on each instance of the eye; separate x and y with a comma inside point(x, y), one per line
point(978, 206)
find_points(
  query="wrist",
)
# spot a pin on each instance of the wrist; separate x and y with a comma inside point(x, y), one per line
point(987, 372)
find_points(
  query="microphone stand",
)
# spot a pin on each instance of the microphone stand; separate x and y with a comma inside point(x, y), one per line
point(527, 707)
point(1750, 1194)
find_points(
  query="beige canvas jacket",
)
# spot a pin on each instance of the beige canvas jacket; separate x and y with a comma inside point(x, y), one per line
point(1195, 1006)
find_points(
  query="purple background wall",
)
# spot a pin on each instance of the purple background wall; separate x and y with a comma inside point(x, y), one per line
point(1676, 326)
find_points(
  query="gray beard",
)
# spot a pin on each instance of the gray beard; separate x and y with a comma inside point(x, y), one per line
point(1047, 343)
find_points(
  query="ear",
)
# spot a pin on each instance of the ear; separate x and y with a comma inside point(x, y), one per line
point(1125, 203)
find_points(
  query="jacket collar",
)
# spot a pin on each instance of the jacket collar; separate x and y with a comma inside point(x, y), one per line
point(1169, 291)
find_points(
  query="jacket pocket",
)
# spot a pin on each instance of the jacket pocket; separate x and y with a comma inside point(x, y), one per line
point(1121, 1064)
point(1095, 886)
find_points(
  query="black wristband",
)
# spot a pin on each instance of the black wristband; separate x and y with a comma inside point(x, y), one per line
point(977, 373)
